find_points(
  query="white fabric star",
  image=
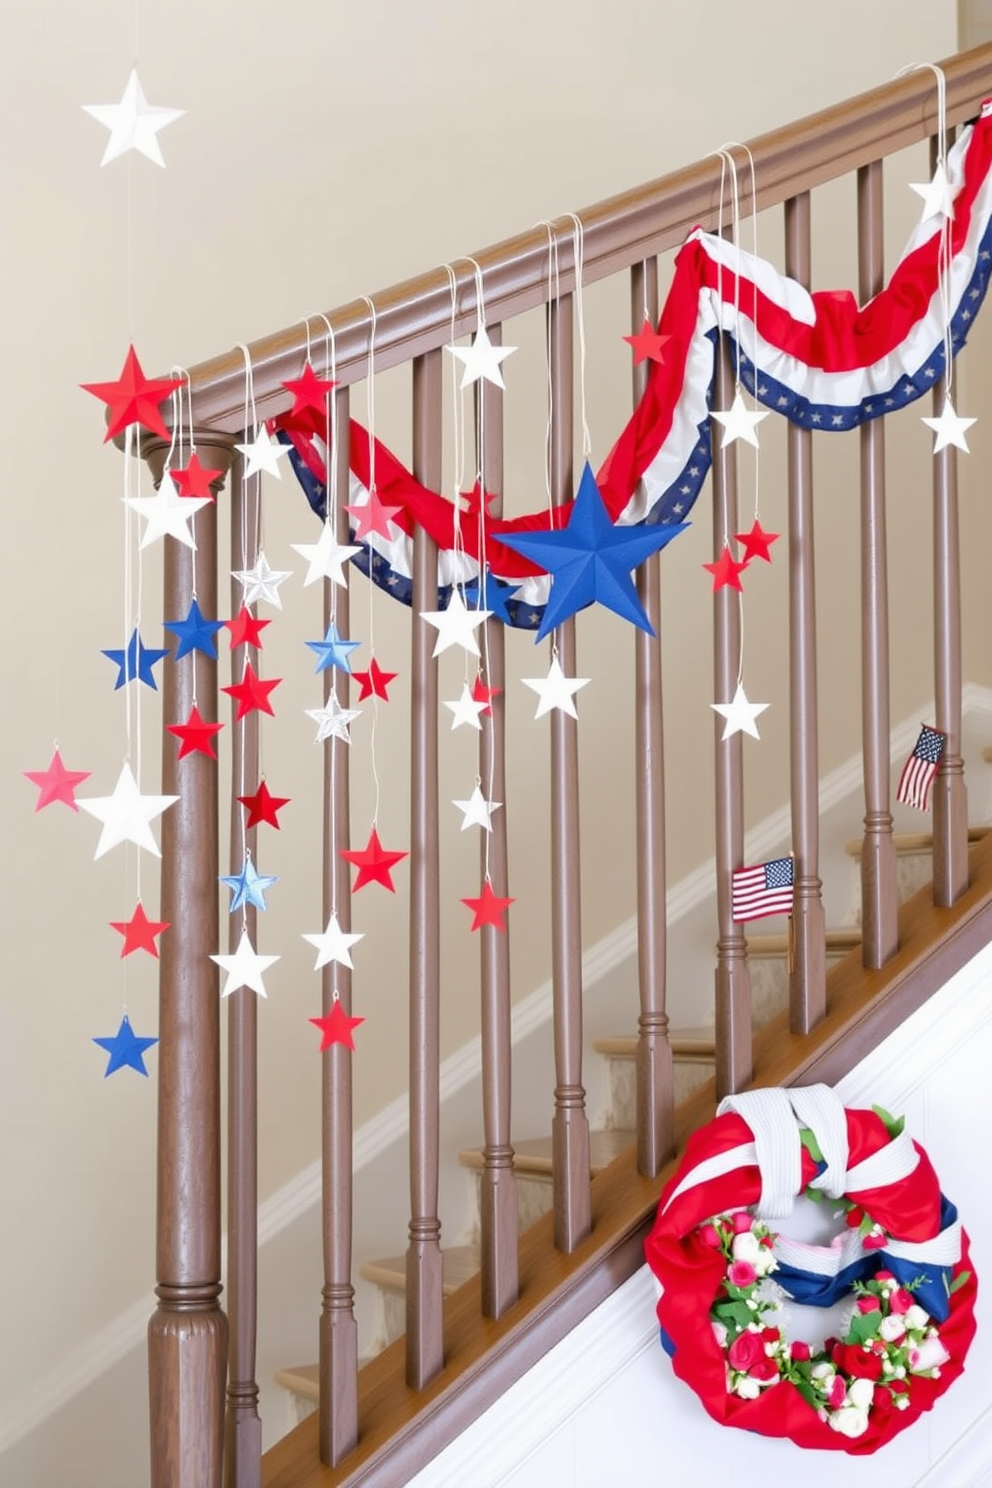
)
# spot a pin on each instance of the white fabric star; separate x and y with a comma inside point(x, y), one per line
point(456, 625)
point(739, 715)
point(126, 814)
point(467, 710)
point(326, 557)
point(555, 690)
point(263, 453)
point(333, 945)
point(481, 359)
point(134, 123)
point(937, 197)
point(245, 968)
point(262, 582)
point(332, 721)
point(477, 811)
point(949, 429)
point(167, 513)
point(739, 422)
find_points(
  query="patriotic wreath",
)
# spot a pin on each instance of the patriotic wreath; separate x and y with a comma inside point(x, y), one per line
point(898, 1274)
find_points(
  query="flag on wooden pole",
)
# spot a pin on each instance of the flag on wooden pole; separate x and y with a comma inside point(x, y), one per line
point(765, 889)
point(916, 780)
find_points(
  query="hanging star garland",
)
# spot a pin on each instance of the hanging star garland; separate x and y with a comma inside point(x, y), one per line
point(135, 662)
point(262, 582)
point(494, 595)
point(647, 345)
point(949, 429)
point(263, 807)
point(374, 863)
point(740, 422)
point(167, 514)
point(194, 480)
point(756, 543)
point(375, 682)
point(133, 398)
point(309, 398)
point(134, 123)
point(336, 1027)
point(937, 197)
point(372, 517)
point(126, 1049)
point(739, 715)
point(489, 908)
point(326, 557)
point(332, 720)
point(484, 695)
point(252, 692)
point(455, 626)
point(590, 560)
point(333, 650)
point(245, 968)
point(139, 932)
point(248, 887)
point(195, 735)
point(726, 571)
point(56, 783)
point(126, 815)
point(334, 944)
point(262, 454)
point(481, 360)
point(467, 711)
point(477, 811)
point(555, 690)
point(246, 629)
point(196, 632)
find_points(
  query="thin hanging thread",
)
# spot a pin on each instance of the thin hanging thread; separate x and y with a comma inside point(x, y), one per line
point(554, 275)
point(578, 246)
point(725, 150)
point(458, 465)
point(944, 247)
point(330, 516)
point(370, 415)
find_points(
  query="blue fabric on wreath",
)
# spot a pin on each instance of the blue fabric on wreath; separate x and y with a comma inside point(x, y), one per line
point(667, 1343)
point(812, 1290)
point(933, 1292)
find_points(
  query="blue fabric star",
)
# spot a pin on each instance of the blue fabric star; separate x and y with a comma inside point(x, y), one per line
point(135, 664)
point(125, 1048)
point(590, 560)
point(195, 633)
point(248, 887)
point(333, 651)
point(495, 593)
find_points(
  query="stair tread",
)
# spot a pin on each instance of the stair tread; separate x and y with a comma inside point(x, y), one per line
point(842, 939)
point(686, 1043)
point(458, 1263)
point(302, 1379)
point(913, 842)
point(532, 1155)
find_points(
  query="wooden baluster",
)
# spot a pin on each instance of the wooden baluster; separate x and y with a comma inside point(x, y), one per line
point(808, 975)
point(187, 1334)
point(338, 1327)
point(424, 1298)
point(949, 799)
point(879, 923)
point(500, 1272)
point(243, 1455)
point(733, 976)
point(570, 1125)
point(655, 1089)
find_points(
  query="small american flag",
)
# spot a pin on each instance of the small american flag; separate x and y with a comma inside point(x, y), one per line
point(763, 890)
point(917, 773)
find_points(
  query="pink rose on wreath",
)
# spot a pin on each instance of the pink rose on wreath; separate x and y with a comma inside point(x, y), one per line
point(838, 1390)
point(741, 1221)
point(742, 1274)
point(745, 1351)
point(900, 1300)
point(799, 1351)
point(710, 1235)
point(867, 1304)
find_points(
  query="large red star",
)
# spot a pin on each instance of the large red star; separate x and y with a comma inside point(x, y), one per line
point(647, 344)
point(195, 480)
point(134, 398)
point(195, 735)
point(263, 806)
point(726, 570)
point(336, 1027)
point(139, 932)
point(251, 692)
point(757, 542)
point(374, 863)
point(483, 694)
point(374, 682)
point(56, 783)
point(489, 908)
point(246, 629)
point(309, 398)
point(373, 517)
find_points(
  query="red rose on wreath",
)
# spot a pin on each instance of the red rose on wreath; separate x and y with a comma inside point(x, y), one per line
point(851, 1359)
point(745, 1351)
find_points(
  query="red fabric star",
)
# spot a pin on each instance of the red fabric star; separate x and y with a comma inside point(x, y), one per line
point(757, 542)
point(374, 863)
point(195, 735)
point(309, 397)
point(139, 932)
point(483, 694)
point(373, 517)
point(647, 344)
point(474, 499)
point(195, 480)
point(726, 570)
point(263, 806)
point(489, 908)
point(336, 1027)
point(133, 398)
point(246, 630)
point(374, 682)
point(56, 783)
point(251, 693)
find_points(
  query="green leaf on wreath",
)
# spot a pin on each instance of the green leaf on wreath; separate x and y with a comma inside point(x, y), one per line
point(737, 1313)
point(893, 1124)
point(811, 1144)
point(864, 1327)
point(958, 1282)
point(866, 1226)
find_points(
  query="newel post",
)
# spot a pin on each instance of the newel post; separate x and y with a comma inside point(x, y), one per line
point(187, 1334)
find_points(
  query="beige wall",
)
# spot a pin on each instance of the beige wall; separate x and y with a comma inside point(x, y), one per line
point(315, 164)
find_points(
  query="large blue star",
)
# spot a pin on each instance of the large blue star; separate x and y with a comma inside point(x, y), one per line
point(135, 664)
point(590, 560)
point(495, 593)
point(195, 633)
point(125, 1048)
point(248, 887)
point(333, 651)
